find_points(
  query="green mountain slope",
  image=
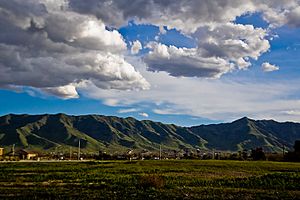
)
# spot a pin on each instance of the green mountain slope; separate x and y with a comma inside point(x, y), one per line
point(97, 132)
point(246, 133)
point(46, 132)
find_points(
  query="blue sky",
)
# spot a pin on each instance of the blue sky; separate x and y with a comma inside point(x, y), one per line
point(23, 103)
point(178, 85)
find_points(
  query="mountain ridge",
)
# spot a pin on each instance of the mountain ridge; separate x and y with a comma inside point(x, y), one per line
point(114, 134)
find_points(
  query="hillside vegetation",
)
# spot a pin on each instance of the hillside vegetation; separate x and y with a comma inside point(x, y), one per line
point(109, 133)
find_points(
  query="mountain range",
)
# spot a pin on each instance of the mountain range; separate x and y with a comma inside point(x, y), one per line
point(113, 134)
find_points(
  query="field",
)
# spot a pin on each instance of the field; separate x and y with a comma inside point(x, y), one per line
point(169, 179)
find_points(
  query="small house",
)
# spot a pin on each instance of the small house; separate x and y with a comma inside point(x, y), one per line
point(1, 151)
point(28, 155)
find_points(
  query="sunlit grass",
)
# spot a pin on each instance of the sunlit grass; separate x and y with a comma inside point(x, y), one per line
point(150, 179)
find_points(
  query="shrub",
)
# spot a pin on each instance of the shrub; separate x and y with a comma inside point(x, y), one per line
point(258, 154)
point(151, 181)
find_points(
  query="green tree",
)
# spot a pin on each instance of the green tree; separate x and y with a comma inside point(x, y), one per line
point(297, 146)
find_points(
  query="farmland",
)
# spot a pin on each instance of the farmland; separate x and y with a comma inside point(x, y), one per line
point(167, 179)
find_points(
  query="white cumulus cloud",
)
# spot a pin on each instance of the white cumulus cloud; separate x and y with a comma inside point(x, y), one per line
point(212, 99)
point(187, 15)
point(292, 112)
point(67, 92)
point(144, 114)
point(136, 47)
point(267, 67)
point(220, 49)
point(211, 23)
point(184, 62)
point(54, 50)
point(72, 47)
point(128, 110)
point(162, 30)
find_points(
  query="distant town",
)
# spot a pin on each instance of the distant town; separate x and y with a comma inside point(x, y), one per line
point(17, 154)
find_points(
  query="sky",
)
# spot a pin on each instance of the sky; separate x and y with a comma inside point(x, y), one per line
point(186, 62)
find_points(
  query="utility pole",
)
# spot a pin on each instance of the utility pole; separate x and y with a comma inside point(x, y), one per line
point(70, 153)
point(13, 150)
point(283, 150)
point(79, 149)
point(159, 152)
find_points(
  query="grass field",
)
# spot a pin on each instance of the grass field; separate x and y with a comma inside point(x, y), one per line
point(178, 179)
